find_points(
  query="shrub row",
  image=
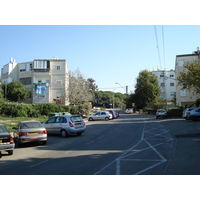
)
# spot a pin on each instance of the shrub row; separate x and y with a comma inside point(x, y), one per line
point(37, 110)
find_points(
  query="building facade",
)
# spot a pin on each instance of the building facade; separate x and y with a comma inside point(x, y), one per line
point(184, 96)
point(47, 79)
point(167, 83)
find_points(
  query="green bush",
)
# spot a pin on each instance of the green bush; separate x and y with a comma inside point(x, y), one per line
point(197, 102)
point(37, 110)
point(175, 112)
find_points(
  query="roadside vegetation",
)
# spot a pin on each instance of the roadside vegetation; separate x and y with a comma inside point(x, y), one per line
point(84, 94)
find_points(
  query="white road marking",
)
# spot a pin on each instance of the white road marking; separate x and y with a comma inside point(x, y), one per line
point(38, 163)
point(150, 131)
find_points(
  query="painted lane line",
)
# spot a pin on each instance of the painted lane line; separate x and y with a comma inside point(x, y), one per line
point(38, 163)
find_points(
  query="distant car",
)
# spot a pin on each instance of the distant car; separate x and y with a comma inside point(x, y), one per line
point(113, 113)
point(103, 115)
point(129, 111)
point(186, 113)
point(30, 131)
point(161, 113)
point(6, 140)
point(117, 113)
point(194, 114)
point(65, 125)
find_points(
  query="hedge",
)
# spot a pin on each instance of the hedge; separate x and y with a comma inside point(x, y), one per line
point(37, 110)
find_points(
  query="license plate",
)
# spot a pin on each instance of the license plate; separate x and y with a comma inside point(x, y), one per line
point(77, 123)
point(35, 133)
point(0, 141)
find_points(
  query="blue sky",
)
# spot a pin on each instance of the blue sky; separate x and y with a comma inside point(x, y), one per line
point(108, 54)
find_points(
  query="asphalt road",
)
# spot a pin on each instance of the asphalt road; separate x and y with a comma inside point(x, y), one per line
point(132, 144)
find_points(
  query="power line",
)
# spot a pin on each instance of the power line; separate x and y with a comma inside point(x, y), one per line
point(157, 45)
point(163, 44)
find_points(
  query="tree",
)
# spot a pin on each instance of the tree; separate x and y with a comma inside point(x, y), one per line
point(147, 89)
point(78, 88)
point(15, 91)
point(189, 78)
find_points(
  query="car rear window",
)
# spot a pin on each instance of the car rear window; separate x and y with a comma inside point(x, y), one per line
point(30, 125)
point(76, 118)
point(3, 130)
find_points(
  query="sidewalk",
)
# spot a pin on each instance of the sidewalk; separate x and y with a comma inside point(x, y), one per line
point(185, 158)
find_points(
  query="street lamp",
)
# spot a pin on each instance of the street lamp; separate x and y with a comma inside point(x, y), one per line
point(120, 85)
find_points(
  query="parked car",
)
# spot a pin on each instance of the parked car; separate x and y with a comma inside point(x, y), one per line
point(6, 140)
point(186, 113)
point(113, 113)
point(65, 125)
point(161, 113)
point(103, 115)
point(129, 111)
point(117, 113)
point(194, 114)
point(30, 131)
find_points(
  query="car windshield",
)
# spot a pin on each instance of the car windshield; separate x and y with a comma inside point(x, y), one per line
point(30, 125)
point(76, 119)
point(3, 130)
point(161, 110)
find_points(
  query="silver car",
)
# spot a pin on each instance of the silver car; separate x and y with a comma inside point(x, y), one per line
point(102, 115)
point(30, 131)
point(6, 140)
point(65, 125)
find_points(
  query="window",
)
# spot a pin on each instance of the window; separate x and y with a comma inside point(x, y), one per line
point(61, 120)
point(180, 63)
point(183, 93)
point(25, 81)
point(171, 75)
point(58, 82)
point(162, 75)
point(171, 84)
point(173, 94)
point(52, 120)
point(162, 84)
point(58, 67)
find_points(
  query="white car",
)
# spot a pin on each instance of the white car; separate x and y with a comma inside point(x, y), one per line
point(186, 113)
point(102, 115)
point(161, 113)
point(129, 111)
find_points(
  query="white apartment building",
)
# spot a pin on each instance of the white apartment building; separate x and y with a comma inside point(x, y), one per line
point(46, 78)
point(167, 83)
point(183, 96)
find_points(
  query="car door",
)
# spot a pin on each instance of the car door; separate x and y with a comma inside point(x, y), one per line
point(103, 115)
point(97, 116)
point(49, 125)
point(59, 123)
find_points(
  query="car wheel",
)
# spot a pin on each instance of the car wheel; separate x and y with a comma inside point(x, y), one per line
point(63, 133)
point(10, 152)
point(106, 118)
point(91, 119)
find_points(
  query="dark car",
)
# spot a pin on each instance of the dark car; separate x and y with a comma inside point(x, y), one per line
point(30, 131)
point(113, 113)
point(6, 140)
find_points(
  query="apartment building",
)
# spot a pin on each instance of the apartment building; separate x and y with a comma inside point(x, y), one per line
point(46, 78)
point(167, 83)
point(184, 96)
